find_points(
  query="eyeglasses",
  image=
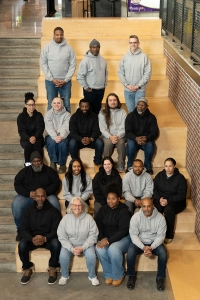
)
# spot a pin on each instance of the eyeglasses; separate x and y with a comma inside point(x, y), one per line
point(29, 105)
point(76, 205)
point(133, 42)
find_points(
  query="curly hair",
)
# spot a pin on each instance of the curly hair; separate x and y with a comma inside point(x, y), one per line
point(29, 96)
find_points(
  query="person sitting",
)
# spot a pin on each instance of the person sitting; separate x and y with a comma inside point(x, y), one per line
point(137, 184)
point(112, 127)
point(147, 232)
point(27, 181)
point(77, 233)
point(170, 188)
point(141, 130)
point(107, 174)
point(84, 130)
point(57, 138)
point(113, 223)
point(39, 230)
point(30, 125)
point(76, 182)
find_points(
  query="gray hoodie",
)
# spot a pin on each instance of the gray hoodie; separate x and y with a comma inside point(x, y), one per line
point(148, 231)
point(92, 72)
point(135, 69)
point(117, 126)
point(76, 188)
point(58, 61)
point(57, 123)
point(134, 186)
point(73, 232)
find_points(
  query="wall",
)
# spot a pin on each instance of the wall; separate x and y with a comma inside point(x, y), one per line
point(185, 94)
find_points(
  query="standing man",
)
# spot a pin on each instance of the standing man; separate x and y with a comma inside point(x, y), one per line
point(134, 73)
point(141, 130)
point(39, 229)
point(58, 62)
point(147, 231)
point(93, 75)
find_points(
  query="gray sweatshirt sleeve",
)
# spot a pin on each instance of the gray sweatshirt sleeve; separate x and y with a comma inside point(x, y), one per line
point(49, 127)
point(64, 129)
point(88, 191)
point(121, 73)
point(134, 232)
point(63, 237)
point(44, 64)
point(72, 65)
point(126, 188)
point(161, 231)
point(121, 128)
point(81, 74)
point(148, 191)
point(66, 194)
point(92, 234)
point(106, 82)
point(147, 72)
point(103, 126)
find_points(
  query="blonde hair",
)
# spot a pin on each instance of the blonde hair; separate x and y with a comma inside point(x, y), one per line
point(85, 207)
point(61, 100)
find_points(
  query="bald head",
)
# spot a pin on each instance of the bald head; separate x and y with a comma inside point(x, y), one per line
point(40, 197)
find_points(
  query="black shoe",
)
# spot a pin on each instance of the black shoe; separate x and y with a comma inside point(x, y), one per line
point(160, 284)
point(52, 275)
point(131, 282)
point(26, 276)
point(18, 236)
point(150, 171)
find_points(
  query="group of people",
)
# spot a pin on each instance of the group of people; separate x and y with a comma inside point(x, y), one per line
point(116, 228)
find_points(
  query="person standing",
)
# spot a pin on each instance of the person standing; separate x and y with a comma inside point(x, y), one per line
point(93, 75)
point(134, 73)
point(58, 62)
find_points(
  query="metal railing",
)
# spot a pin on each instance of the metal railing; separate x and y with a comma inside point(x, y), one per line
point(181, 21)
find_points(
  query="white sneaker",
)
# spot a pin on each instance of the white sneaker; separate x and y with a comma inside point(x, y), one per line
point(94, 280)
point(63, 280)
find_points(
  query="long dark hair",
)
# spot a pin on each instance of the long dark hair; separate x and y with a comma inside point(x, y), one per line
point(103, 172)
point(106, 110)
point(69, 175)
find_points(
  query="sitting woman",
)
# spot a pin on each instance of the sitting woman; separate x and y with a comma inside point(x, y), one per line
point(57, 139)
point(112, 126)
point(106, 175)
point(113, 223)
point(170, 188)
point(77, 234)
point(30, 128)
point(76, 182)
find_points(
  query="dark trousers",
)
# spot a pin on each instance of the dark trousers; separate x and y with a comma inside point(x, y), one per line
point(95, 98)
point(29, 148)
point(50, 6)
point(133, 251)
point(170, 211)
point(53, 246)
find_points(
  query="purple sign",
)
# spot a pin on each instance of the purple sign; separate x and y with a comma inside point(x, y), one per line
point(143, 5)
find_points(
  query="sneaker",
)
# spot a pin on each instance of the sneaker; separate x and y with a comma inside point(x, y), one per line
point(62, 169)
point(168, 241)
point(53, 166)
point(18, 236)
point(63, 280)
point(94, 280)
point(160, 282)
point(52, 275)
point(26, 276)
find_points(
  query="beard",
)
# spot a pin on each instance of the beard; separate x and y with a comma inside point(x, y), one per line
point(37, 169)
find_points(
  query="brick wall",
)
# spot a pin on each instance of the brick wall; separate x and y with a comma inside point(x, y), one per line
point(185, 95)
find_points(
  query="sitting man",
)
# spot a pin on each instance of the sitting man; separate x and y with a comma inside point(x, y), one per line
point(84, 130)
point(27, 181)
point(137, 184)
point(141, 130)
point(39, 229)
point(147, 231)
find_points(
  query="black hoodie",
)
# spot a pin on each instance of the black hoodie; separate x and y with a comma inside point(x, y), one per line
point(172, 188)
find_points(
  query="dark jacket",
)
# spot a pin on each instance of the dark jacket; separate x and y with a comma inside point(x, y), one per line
point(42, 221)
point(113, 223)
point(173, 189)
point(28, 180)
point(30, 126)
point(84, 125)
point(101, 180)
point(141, 125)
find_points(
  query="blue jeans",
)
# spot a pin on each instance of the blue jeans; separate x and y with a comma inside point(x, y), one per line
point(57, 151)
point(95, 98)
point(66, 255)
point(132, 147)
point(133, 251)
point(111, 258)
point(64, 91)
point(131, 98)
point(25, 246)
point(97, 144)
point(20, 203)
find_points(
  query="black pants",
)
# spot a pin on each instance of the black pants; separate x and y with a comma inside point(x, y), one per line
point(29, 148)
point(50, 6)
point(25, 246)
point(170, 211)
point(95, 98)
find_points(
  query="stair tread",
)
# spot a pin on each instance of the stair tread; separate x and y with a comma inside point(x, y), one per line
point(7, 257)
point(18, 66)
point(5, 204)
point(12, 156)
point(18, 87)
point(18, 76)
point(10, 170)
point(184, 241)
